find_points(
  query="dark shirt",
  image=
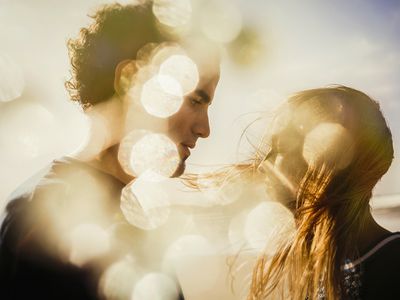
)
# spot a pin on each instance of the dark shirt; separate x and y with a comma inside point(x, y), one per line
point(32, 265)
point(376, 274)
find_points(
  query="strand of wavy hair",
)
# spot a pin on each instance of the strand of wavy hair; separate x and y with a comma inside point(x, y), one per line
point(307, 265)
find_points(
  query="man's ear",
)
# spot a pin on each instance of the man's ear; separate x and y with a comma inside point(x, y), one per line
point(123, 76)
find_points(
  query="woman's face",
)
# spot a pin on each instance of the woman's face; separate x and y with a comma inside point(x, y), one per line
point(284, 167)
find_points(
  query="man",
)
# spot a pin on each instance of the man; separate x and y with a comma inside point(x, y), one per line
point(58, 241)
point(98, 59)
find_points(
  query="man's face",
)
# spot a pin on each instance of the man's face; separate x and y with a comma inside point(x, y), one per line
point(191, 121)
point(186, 125)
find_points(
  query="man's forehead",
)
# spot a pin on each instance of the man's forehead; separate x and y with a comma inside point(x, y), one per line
point(205, 54)
point(194, 68)
point(208, 70)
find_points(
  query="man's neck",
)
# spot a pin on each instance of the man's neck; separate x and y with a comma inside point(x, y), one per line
point(107, 161)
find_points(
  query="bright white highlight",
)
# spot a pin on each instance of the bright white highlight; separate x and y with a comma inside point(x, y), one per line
point(329, 142)
point(155, 286)
point(145, 204)
point(162, 96)
point(266, 225)
point(12, 80)
point(183, 70)
point(142, 151)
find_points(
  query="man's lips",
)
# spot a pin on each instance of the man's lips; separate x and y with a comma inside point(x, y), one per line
point(191, 146)
point(185, 150)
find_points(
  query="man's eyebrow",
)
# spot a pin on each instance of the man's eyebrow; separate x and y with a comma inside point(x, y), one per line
point(203, 95)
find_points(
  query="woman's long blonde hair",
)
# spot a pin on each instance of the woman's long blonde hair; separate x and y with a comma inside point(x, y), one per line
point(331, 198)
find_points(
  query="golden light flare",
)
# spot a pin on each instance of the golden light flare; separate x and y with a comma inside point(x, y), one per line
point(144, 205)
point(330, 143)
point(142, 151)
point(12, 82)
point(267, 224)
point(221, 21)
point(155, 286)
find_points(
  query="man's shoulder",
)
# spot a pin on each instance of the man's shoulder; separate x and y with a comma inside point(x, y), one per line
point(67, 185)
point(42, 177)
point(51, 182)
point(66, 174)
point(66, 191)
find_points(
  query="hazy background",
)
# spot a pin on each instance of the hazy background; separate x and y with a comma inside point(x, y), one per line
point(294, 46)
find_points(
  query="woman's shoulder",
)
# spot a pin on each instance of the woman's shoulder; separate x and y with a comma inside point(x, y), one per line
point(380, 269)
point(387, 250)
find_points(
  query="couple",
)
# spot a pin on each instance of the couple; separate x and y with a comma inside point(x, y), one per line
point(322, 156)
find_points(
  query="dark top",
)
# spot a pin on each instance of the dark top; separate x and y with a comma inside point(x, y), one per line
point(376, 274)
point(32, 265)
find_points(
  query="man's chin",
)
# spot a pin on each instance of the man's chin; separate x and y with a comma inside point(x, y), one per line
point(179, 170)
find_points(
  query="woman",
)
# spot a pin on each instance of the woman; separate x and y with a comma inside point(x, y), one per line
point(326, 150)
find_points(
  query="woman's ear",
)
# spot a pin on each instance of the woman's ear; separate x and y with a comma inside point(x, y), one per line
point(123, 76)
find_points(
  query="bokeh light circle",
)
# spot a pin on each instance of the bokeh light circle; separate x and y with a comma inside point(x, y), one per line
point(267, 224)
point(161, 96)
point(155, 286)
point(145, 204)
point(183, 70)
point(331, 143)
point(141, 151)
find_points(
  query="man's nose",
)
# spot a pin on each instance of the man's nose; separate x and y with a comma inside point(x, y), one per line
point(202, 127)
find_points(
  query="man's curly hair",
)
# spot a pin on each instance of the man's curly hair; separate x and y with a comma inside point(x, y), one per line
point(118, 33)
